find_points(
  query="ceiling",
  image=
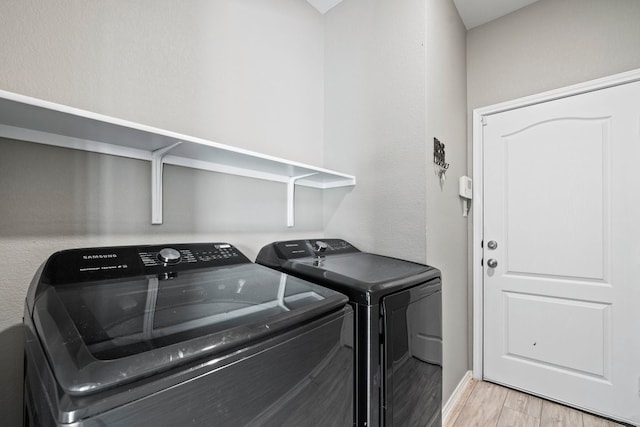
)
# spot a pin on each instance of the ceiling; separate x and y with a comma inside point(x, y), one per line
point(472, 12)
point(475, 12)
point(323, 5)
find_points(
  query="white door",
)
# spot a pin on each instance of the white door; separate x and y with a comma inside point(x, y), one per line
point(562, 204)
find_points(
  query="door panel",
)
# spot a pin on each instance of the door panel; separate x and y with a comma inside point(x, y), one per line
point(576, 333)
point(556, 233)
point(562, 201)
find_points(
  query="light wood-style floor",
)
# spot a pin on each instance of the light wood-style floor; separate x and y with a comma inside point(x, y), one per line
point(484, 404)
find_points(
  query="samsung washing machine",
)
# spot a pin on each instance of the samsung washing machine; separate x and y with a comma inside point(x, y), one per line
point(185, 334)
point(398, 325)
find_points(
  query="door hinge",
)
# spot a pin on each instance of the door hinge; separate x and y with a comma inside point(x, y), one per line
point(483, 120)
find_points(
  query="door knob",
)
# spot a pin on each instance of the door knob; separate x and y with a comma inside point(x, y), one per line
point(492, 244)
point(492, 263)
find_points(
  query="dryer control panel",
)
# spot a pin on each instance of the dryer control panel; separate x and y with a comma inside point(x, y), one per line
point(313, 247)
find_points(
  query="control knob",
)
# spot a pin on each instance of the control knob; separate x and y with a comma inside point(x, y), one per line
point(169, 256)
point(320, 246)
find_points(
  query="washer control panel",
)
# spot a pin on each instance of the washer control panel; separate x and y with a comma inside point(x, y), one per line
point(200, 254)
point(105, 263)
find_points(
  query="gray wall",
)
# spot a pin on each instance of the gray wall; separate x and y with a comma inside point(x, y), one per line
point(375, 124)
point(550, 44)
point(446, 226)
point(245, 73)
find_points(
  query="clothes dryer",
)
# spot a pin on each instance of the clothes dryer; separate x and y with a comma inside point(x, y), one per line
point(398, 325)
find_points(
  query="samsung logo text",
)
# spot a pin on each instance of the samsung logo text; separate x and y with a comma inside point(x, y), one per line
point(100, 256)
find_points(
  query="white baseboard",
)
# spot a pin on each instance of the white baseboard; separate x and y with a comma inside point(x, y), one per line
point(455, 396)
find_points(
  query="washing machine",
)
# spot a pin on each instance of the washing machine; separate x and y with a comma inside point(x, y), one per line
point(183, 334)
point(398, 325)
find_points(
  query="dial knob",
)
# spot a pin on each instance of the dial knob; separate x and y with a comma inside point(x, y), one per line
point(320, 246)
point(169, 256)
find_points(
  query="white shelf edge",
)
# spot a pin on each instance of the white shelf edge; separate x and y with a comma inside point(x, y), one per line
point(249, 173)
point(303, 173)
point(30, 135)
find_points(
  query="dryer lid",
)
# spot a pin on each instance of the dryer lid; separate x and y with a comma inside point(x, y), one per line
point(363, 276)
point(364, 268)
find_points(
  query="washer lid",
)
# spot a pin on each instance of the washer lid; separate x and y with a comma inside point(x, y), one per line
point(363, 276)
point(103, 333)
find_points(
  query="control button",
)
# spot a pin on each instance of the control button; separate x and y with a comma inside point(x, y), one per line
point(169, 256)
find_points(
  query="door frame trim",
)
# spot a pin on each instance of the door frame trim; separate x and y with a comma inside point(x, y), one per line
point(478, 118)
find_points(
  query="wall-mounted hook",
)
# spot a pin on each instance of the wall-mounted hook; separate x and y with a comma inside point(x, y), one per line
point(439, 161)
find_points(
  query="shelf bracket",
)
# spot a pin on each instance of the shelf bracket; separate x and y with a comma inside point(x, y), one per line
point(157, 161)
point(291, 186)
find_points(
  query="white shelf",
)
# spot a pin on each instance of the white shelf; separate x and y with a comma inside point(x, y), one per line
point(34, 120)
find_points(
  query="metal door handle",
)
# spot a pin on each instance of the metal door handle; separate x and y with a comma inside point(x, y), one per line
point(492, 263)
point(492, 244)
